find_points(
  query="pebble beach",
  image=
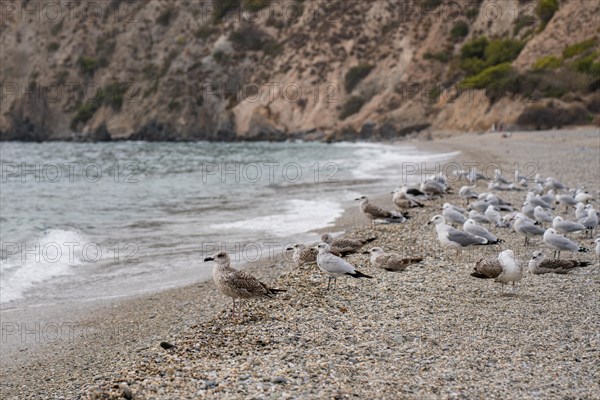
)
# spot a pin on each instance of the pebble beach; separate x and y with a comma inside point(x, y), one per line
point(431, 331)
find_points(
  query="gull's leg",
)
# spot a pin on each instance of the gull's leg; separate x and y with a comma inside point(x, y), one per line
point(233, 308)
point(328, 282)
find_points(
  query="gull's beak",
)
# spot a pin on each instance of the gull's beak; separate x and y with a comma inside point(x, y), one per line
point(366, 252)
point(429, 223)
point(289, 248)
point(357, 199)
point(208, 259)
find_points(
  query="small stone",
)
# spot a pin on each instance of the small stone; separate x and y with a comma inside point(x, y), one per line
point(279, 379)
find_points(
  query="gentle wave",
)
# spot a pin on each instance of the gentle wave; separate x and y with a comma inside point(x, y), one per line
point(53, 254)
point(298, 216)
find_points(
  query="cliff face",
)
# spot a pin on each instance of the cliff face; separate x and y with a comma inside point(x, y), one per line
point(255, 70)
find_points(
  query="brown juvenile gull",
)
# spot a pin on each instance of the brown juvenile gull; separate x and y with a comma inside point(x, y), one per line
point(487, 268)
point(402, 200)
point(505, 269)
point(373, 212)
point(335, 266)
point(539, 265)
point(303, 255)
point(237, 284)
point(344, 246)
point(393, 262)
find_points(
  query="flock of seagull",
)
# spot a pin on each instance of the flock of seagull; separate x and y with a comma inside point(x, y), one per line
point(482, 211)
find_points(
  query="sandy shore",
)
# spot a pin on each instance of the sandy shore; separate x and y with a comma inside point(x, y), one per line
point(430, 332)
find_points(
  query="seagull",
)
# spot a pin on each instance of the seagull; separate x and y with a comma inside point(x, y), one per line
point(535, 200)
point(303, 255)
point(511, 268)
point(451, 237)
point(413, 193)
point(583, 196)
point(564, 226)
point(597, 241)
point(402, 200)
point(505, 269)
point(471, 227)
point(487, 268)
point(528, 210)
point(552, 183)
point(538, 265)
point(560, 243)
point(432, 188)
point(335, 266)
point(525, 227)
point(344, 246)
point(373, 212)
point(389, 261)
point(566, 199)
point(590, 222)
point(494, 216)
point(581, 211)
point(499, 178)
point(541, 215)
point(466, 192)
point(237, 284)
point(452, 215)
point(477, 217)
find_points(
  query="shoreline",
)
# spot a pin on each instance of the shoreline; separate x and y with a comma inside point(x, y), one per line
point(127, 330)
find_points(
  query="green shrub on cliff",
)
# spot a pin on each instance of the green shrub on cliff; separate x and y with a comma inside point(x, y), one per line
point(578, 48)
point(487, 77)
point(481, 53)
point(352, 106)
point(547, 62)
point(545, 10)
point(459, 30)
point(355, 75)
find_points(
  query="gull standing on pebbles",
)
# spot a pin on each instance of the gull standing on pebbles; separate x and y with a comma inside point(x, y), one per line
point(237, 284)
point(393, 262)
point(303, 255)
point(494, 216)
point(344, 246)
point(538, 265)
point(590, 221)
point(597, 241)
point(541, 215)
point(335, 266)
point(525, 227)
point(563, 226)
point(471, 227)
point(477, 217)
point(560, 243)
point(372, 212)
point(466, 192)
point(453, 215)
point(505, 269)
point(566, 199)
point(454, 238)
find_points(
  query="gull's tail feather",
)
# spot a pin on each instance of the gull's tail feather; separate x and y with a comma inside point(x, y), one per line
point(583, 250)
point(480, 276)
point(358, 274)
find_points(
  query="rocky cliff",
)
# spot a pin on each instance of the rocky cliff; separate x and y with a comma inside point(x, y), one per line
point(272, 70)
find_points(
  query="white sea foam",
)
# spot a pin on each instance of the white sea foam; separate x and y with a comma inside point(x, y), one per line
point(298, 216)
point(385, 161)
point(51, 255)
